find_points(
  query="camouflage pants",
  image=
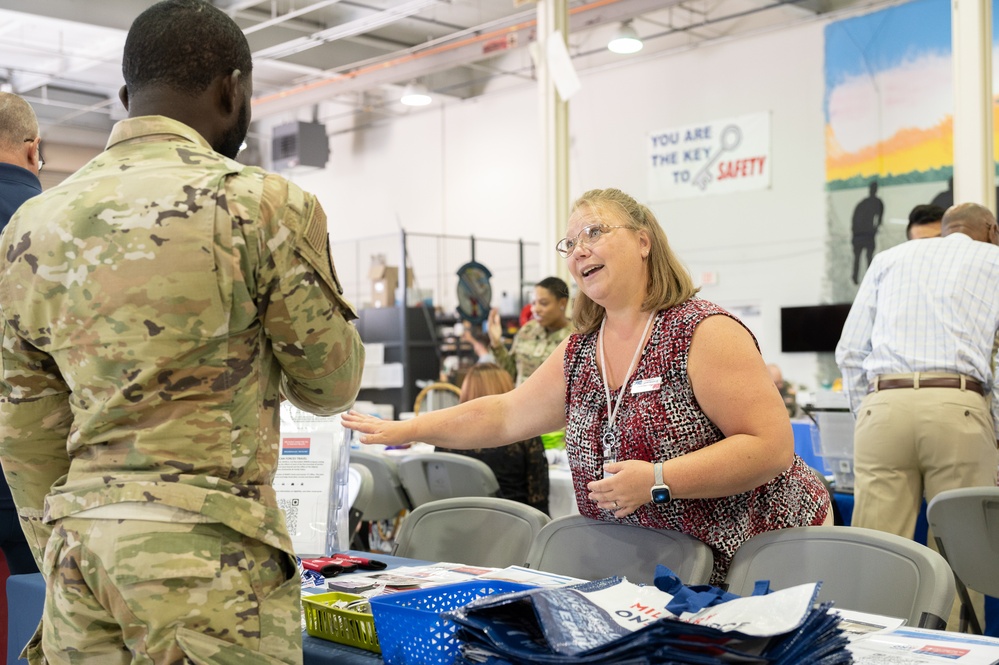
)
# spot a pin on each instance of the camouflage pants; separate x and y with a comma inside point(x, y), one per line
point(143, 592)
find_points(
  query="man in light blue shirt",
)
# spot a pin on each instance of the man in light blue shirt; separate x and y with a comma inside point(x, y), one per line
point(918, 361)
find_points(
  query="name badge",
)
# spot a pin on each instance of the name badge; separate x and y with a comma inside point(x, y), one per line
point(647, 385)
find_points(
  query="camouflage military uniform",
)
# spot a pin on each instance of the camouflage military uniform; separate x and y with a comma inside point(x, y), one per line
point(156, 306)
point(531, 347)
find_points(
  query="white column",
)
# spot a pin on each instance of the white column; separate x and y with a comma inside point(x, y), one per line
point(971, 46)
point(553, 15)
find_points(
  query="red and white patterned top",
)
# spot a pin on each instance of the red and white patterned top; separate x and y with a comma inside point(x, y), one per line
point(659, 425)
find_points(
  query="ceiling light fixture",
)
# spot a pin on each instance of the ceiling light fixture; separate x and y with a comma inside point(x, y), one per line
point(416, 94)
point(625, 40)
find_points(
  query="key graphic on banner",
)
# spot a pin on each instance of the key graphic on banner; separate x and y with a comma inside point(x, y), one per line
point(730, 139)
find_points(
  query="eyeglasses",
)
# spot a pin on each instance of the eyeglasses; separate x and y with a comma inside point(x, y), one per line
point(41, 162)
point(588, 235)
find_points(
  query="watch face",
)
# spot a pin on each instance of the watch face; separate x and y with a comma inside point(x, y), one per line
point(660, 495)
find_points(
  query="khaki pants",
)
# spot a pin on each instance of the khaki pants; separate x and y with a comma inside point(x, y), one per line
point(145, 592)
point(910, 443)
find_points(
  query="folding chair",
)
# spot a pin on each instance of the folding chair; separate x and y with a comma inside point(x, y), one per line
point(389, 499)
point(437, 395)
point(431, 476)
point(479, 531)
point(860, 569)
point(965, 523)
point(361, 487)
point(590, 549)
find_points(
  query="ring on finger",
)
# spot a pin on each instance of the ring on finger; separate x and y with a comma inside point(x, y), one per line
point(616, 504)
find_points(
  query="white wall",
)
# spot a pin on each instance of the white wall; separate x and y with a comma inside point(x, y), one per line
point(474, 167)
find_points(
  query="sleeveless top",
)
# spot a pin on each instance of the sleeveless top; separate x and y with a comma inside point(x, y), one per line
point(662, 424)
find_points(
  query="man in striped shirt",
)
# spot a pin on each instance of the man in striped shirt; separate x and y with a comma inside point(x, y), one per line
point(917, 356)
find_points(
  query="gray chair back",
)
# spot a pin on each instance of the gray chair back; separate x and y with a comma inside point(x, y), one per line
point(478, 531)
point(965, 523)
point(590, 549)
point(388, 498)
point(432, 476)
point(860, 569)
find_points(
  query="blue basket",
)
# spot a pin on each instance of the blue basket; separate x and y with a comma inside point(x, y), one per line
point(410, 628)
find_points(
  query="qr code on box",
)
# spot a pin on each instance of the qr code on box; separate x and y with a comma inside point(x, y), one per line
point(290, 508)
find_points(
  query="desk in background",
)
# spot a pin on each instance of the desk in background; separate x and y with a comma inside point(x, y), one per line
point(803, 446)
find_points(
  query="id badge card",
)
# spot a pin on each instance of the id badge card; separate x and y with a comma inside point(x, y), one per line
point(609, 452)
point(646, 385)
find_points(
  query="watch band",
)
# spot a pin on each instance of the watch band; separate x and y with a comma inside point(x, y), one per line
point(658, 466)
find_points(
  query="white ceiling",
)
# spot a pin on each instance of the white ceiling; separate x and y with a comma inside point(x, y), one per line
point(65, 56)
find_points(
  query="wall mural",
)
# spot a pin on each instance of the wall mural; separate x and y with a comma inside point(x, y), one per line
point(889, 131)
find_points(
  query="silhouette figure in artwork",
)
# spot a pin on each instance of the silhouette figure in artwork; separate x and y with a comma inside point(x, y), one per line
point(867, 218)
point(945, 199)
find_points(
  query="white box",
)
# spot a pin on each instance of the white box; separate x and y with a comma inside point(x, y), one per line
point(834, 437)
point(842, 470)
point(389, 375)
point(383, 411)
point(374, 353)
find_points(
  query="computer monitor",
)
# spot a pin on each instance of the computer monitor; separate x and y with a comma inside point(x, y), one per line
point(816, 328)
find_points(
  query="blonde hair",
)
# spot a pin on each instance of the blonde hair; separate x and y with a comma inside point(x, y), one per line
point(669, 283)
point(485, 379)
point(17, 121)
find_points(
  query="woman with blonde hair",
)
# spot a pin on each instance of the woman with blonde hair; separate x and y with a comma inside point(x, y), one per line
point(672, 419)
point(520, 468)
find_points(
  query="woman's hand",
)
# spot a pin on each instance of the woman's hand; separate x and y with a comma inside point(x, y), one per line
point(629, 487)
point(376, 430)
point(495, 327)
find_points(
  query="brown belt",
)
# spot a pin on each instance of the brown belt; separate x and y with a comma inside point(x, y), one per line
point(889, 384)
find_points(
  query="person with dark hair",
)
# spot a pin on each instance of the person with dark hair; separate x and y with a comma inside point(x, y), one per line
point(867, 218)
point(158, 306)
point(521, 468)
point(537, 338)
point(924, 222)
point(672, 420)
point(918, 363)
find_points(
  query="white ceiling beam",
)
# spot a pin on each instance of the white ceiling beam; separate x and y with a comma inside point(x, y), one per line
point(348, 29)
point(288, 16)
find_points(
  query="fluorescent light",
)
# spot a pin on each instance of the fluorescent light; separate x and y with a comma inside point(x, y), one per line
point(416, 94)
point(626, 40)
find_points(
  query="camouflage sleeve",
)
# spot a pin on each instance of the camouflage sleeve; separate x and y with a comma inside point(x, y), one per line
point(307, 318)
point(505, 358)
point(35, 422)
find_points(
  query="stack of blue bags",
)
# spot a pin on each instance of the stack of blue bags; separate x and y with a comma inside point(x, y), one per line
point(565, 625)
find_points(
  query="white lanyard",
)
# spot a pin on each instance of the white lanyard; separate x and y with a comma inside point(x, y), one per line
point(609, 440)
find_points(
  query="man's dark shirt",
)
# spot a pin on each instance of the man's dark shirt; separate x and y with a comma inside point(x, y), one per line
point(17, 185)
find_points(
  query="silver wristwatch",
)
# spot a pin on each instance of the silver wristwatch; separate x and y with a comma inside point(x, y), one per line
point(660, 491)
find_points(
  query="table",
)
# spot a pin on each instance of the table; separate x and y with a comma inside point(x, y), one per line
point(27, 594)
point(317, 651)
point(802, 429)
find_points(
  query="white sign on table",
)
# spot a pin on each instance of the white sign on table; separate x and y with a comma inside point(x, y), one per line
point(311, 484)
